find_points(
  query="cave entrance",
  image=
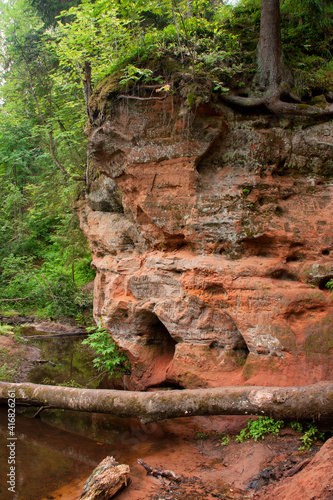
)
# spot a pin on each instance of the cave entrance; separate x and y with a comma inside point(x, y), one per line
point(154, 333)
point(323, 282)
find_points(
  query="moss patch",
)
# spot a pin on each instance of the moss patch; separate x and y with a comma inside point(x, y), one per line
point(319, 337)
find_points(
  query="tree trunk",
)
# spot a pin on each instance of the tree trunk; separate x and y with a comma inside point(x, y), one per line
point(271, 69)
point(280, 402)
point(87, 88)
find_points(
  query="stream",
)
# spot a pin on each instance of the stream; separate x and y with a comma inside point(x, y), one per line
point(56, 452)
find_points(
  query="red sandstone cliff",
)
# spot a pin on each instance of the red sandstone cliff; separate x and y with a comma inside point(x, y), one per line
point(212, 239)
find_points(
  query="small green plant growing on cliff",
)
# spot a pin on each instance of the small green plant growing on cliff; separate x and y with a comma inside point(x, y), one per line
point(109, 357)
point(202, 435)
point(258, 429)
point(132, 74)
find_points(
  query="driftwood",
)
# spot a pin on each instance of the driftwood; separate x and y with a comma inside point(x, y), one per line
point(151, 471)
point(106, 480)
point(280, 402)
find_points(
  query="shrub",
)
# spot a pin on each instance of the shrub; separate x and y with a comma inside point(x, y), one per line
point(258, 429)
point(109, 357)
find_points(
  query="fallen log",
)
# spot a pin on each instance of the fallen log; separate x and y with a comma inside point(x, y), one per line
point(310, 401)
point(106, 480)
point(55, 336)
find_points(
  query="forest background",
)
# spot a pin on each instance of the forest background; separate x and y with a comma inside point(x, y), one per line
point(54, 53)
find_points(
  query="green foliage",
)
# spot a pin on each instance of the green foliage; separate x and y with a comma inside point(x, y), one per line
point(258, 429)
point(225, 440)
point(44, 288)
point(109, 357)
point(70, 383)
point(43, 255)
point(133, 75)
point(7, 374)
point(6, 330)
point(310, 436)
point(50, 9)
point(329, 284)
point(297, 426)
point(202, 435)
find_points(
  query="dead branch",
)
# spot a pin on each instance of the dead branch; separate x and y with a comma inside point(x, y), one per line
point(151, 471)
point(297, 468)
point(15, 300)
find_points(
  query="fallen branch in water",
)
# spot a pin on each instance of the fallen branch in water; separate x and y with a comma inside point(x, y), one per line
point(151, 471)
point(280, 402)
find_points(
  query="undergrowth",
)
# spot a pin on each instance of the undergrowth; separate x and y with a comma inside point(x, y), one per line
point(110, 359)
point(263, 426)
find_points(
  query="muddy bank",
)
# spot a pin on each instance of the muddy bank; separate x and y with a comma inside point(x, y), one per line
point(17, 359)
point(192, 448)
point(69, 326)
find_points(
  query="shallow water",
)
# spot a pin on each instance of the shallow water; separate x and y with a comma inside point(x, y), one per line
point(57, 452)
point(66, 359)
point(52, 461)
point(46, 457)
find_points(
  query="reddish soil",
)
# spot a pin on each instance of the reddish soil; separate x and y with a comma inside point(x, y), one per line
point(209, 470)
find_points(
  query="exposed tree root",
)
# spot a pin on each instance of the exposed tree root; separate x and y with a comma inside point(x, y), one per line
point(272, 99)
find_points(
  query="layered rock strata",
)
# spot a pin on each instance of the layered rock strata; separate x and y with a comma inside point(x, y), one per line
point(212, 240)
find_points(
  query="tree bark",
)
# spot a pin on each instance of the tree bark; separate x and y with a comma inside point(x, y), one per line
point(106, 480)
point(280, 402)
point(87, 88)
point(270, 64)
point(274, 77)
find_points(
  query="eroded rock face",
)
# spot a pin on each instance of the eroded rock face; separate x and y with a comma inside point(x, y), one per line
point(215, 272)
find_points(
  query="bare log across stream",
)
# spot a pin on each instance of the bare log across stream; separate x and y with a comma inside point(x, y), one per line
point(280, 402)
point(56, 336)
